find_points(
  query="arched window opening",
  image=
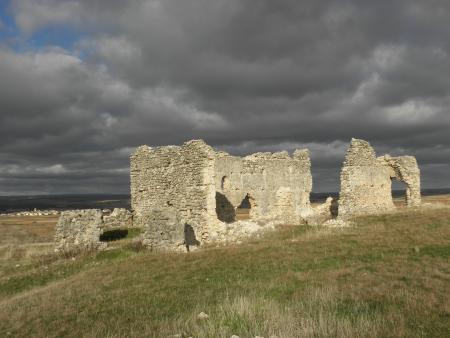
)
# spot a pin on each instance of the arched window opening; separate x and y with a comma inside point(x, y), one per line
point(243, 211)
point(225, 183)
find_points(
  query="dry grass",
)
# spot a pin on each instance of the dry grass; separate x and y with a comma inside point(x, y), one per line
point(387, 277)
point(27, 229)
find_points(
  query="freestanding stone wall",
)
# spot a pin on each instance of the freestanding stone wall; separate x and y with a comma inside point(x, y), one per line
point(405, 169)
point(173, 194)
point(79, 229)
point(366, 180)
point(187, 195)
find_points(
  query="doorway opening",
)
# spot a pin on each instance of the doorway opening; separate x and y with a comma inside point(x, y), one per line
point(400, 193)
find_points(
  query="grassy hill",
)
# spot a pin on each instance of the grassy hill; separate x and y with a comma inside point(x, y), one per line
point(388, 276)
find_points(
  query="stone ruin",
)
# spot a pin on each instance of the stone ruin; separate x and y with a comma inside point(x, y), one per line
point(191, 195)
point(186, 195)
point(82, 229)
point(366, 181)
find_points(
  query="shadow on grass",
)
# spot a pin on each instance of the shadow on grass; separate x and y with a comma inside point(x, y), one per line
point(113, 235)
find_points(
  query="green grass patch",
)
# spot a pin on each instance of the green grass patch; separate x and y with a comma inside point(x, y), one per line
point(113, 254)
point(42, 275)
point(442, 251)
point(38, 277)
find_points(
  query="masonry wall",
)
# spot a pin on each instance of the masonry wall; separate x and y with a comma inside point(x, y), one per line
point(405, 169)
point(79, 229)
point(278, 186)
point(119, 218)
point(173, 194)
point(366, 186)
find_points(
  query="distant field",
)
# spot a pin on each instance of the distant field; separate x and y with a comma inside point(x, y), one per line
point(389, 276)
point(27, 229)
point(108, 201)
point(63, 202)
point(445, 199)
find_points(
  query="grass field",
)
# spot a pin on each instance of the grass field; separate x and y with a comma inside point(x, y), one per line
point(388, 276)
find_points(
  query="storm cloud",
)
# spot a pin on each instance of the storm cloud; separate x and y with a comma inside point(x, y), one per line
point(245, 76)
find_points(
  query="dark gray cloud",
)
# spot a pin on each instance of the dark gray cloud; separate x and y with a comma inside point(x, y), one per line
point(244, 75)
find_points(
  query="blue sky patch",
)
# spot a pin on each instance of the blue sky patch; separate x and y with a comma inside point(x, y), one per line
point(63, 36)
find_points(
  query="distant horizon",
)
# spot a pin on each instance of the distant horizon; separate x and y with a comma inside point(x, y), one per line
point(424, 190)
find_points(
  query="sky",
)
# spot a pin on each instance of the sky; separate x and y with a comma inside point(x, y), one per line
point(84, 82)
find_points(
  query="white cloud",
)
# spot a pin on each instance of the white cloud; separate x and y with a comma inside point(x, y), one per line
point(53, 169)
point(411, 112)
point(116, 49)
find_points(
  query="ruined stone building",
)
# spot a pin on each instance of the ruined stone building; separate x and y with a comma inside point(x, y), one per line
point(186, 195)
point(190, 195)
point(366, 186)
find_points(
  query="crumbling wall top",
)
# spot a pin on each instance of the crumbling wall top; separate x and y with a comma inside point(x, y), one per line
point(360, 153)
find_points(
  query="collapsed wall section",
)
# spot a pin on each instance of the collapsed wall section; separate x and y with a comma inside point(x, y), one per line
point(79, 229)
point(173, 193)
point(276, 185)
point(119, 218)
point(366, 186)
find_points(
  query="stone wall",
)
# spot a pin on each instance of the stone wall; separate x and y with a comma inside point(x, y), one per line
point(187, 195)
point(119, 218)
point(366, 180)
point(405, 169)
point(184, 196)
point(81, 229)
point(277, 185)
point(173, 194)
